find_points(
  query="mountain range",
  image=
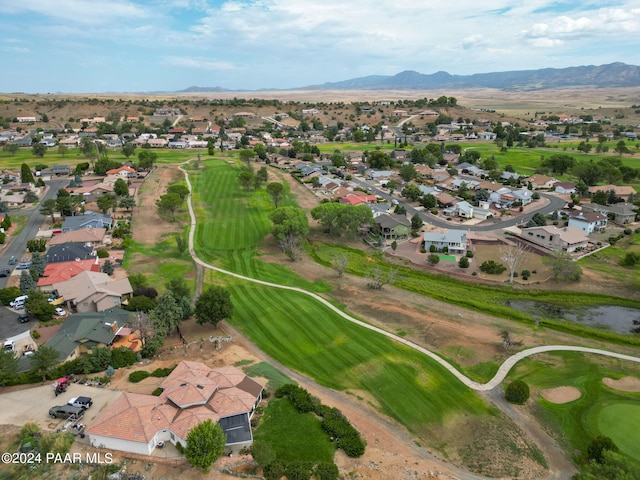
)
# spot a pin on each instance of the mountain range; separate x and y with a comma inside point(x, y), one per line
point(612, 75)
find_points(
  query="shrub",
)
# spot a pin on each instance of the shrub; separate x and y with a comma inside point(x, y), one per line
point(157, 392)
point(526, 273)
point(469, 254)
point(122, 357)
point(517, 392)
point(492, 267)
point(138, 376)
point(627, 231)
point(162, 372)
point(598, 445)
point(102, 253)
point(432, 248)
point(433, 259)
point(463, 262)
point(35, 334)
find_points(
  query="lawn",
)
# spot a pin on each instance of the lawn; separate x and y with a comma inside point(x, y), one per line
point(291, 436)
point(599, 411)
point(297, 331)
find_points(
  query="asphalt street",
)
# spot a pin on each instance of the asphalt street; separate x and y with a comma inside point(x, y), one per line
point(555, 203)
point(18, 245)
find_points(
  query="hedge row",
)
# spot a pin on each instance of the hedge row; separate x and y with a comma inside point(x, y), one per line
point(333, 421)
point(300, 471)
point(139, 375)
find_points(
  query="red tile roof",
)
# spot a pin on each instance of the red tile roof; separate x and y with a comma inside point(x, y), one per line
point(63, 271)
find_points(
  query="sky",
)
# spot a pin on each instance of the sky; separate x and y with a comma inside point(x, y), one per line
point(93, 46)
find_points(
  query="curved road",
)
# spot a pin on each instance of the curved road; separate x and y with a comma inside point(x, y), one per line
point(481, 387)
point(555, 203)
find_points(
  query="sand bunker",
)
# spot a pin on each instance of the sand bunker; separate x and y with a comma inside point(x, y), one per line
point(561, 394)
point(626, 384)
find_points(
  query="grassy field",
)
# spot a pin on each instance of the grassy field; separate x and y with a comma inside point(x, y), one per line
point(476, 297)
point(297, 331)
point(598, 410)
point(291, 436)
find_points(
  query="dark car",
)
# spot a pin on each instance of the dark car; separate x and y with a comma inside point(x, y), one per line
point(13, 261)
point(5, 272)
point(23, 317)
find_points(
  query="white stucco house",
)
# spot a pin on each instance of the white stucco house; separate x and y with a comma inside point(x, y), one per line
point(192, 393)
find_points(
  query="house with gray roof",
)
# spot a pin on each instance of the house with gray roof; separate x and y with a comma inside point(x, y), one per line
point(81, 332)
point(70, 252)
point(620, 213)
point(391, 226)
point(88, 220)
point(455, 241)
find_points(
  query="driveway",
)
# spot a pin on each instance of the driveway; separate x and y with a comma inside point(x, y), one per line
point(9, 324)
point(33, 404)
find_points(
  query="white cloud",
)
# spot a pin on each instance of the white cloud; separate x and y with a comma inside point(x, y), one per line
point(474, 41)
point(77, 11)
point(200, 63)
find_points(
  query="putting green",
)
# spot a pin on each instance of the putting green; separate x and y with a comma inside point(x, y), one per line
point(448, 258)
point(621, 423)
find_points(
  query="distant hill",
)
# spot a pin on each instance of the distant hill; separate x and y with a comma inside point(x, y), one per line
point(612, 75)
point(194, 89)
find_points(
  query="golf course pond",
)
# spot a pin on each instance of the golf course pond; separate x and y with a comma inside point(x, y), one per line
point(608, 317)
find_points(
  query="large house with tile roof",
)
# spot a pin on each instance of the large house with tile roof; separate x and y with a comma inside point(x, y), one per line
point(63, 271)
point(93, 292)
point(191, 394)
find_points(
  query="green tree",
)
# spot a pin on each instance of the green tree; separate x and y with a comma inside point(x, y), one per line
point(141, 303)
point(37, 245)
point(412, 192)
point(147, 158)
point(25, 174)
point(538, 220)
point(44, 360)
point(167, 315)
point(290, 227)
point(169, 203)
point(128, 149)
point(429, 201)
point(276, 191)
point(392, 185)
point(127, 202)
point(27, 283)
point(598, 446)
point(8, 366)
point(106, 202)
point(120, 188)
point(339, 218)
point(621, 147)
point(588, 172)
point(38, 150)
point(179, 288)
point(559, 163)
point(408, 172)
point(416, 222)
point(379, 159)
point(247, 155)
point(614, 466)
point(563, 268)
point(517, 392)
point(246, 180)
point(463, 262)
point(38, 264)
point(179, 189)
point(10, 148)
point(38, 305)
point(63, 150)
point(205, 444)
point(213, 306)
point(433, 259)
point(108, 267)
point(600, 197)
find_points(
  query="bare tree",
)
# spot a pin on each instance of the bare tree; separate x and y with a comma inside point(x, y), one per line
point(340, 264)
point(378, 278)
point(292, 246)
point(514, 256)
point(507, 341)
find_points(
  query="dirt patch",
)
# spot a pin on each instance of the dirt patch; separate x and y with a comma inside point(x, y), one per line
point(626, 384)
point(561, 394)
point(149, 229)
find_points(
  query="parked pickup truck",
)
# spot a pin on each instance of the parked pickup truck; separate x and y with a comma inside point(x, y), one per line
point(65, 411)
point(82, 402)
